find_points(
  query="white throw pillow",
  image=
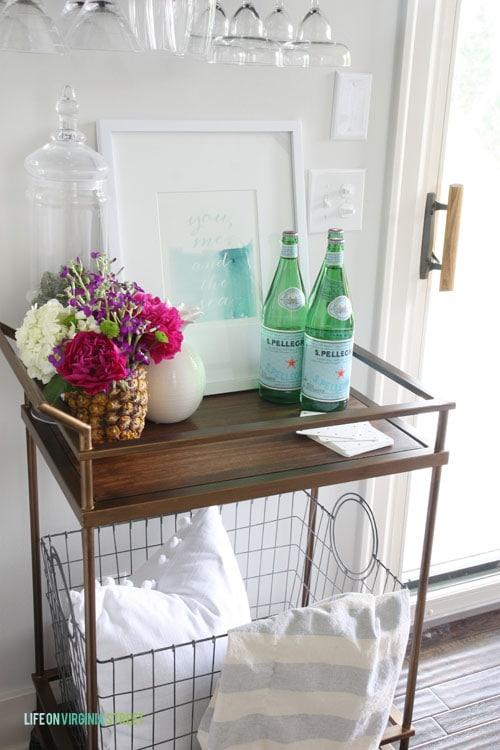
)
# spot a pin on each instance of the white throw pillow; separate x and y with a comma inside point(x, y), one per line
point(318, 677)
point(190, 589)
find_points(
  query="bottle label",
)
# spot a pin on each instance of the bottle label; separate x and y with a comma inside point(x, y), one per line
point(340, 308)
point(281, 355)
point(327, 369)
point(289, 251)
point(334, 258)
point(292, 298)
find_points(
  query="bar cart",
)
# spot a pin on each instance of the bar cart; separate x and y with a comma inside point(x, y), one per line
point(235, 447)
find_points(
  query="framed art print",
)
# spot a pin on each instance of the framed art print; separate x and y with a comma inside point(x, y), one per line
point(197, 212)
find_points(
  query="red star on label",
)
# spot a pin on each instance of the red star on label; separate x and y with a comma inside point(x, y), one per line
point(340, 373)
point(291, 362)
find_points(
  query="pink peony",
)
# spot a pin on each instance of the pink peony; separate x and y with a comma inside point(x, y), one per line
point(164, 319)
point(91, 361)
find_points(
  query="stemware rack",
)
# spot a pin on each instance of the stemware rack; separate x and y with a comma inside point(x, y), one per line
point(235, 448)
point(181, 30)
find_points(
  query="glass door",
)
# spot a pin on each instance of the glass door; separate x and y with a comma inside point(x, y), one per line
point(459, 357)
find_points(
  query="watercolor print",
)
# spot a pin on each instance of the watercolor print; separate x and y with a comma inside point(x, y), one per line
point(210, 252)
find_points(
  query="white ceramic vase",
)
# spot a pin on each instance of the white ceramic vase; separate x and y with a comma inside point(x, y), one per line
point(176, 386)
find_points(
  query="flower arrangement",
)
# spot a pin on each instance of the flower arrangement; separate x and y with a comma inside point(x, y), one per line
point(97, 332)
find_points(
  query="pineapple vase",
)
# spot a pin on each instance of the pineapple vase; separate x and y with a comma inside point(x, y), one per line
point(118, 414)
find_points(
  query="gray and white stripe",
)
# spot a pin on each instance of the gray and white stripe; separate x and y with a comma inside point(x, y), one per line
point(320, 677)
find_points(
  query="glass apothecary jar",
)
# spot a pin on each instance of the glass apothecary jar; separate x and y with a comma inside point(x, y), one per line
point(67, 194)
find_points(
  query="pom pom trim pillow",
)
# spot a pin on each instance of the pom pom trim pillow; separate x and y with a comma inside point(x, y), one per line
point(190, 589)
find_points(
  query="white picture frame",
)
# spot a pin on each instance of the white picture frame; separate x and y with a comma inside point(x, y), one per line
point(197, 209)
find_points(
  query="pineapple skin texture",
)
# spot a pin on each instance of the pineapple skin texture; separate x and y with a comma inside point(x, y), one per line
point(118, 414)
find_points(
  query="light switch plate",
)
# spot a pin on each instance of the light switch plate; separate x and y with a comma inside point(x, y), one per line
point(335, 199)
point(351, 106)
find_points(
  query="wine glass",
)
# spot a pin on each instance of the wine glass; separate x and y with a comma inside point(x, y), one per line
point(314, 44)
point(221, 21)
point(315, 26)
point(71, 9)
point(100, 25)
point(278, 24)
point(150, 23)
point(179, 20)
point(246, 22)
point(139, 15)
point(220, 31)
point(25, 26)
point(246, 42)
point(205, 14)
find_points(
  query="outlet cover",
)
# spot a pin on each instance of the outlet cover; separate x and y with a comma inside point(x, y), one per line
point(351, 106)
point(335, 199)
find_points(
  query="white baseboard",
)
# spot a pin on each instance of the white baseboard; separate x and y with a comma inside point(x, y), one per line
point(14, 734)
point(464, 599)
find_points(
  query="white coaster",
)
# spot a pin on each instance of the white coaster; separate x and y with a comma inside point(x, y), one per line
point(348, 439)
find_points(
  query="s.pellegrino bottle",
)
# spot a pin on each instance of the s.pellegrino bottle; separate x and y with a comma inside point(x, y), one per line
point(282, 330)
point(329, 335)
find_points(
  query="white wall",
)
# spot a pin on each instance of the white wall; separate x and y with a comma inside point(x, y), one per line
point(110, 85)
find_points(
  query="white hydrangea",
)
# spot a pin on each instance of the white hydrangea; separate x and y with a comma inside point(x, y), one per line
point(42, 329)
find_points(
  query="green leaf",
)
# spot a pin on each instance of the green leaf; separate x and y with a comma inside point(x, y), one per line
point(161, 336)
point(55, 388)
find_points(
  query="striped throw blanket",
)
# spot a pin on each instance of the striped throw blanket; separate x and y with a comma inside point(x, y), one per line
point(316, 678)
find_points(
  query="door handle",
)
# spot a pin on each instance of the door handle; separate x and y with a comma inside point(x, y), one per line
point(428, 261)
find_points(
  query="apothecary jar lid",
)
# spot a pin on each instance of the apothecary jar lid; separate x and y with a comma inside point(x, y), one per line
point(67, 158)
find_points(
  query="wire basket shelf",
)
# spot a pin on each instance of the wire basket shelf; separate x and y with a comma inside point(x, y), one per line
point(291, 553)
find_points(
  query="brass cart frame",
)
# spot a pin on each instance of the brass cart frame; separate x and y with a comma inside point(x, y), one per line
point(235, 447)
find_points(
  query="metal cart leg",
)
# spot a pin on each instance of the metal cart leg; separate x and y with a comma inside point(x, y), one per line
point(34, 744)
point(90, 634)
point(313, 499)
point(35, 554)
point(423, 583)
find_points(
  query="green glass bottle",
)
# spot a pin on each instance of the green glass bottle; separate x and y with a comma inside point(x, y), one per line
point(333, 235)
point(329, 335)
point(282, 330)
